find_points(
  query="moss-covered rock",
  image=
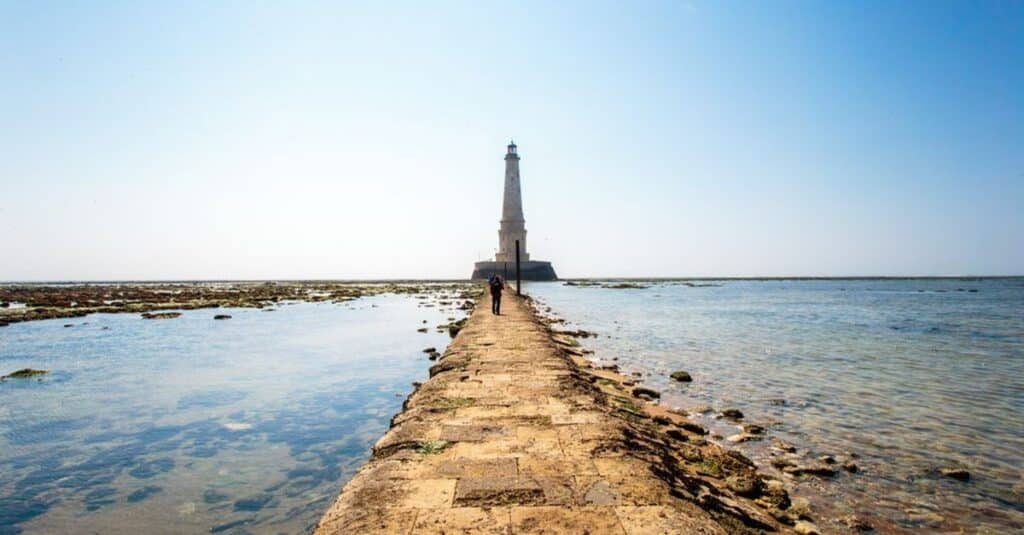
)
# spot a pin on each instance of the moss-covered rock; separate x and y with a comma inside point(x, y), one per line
point(25, 373)
point(681, 376)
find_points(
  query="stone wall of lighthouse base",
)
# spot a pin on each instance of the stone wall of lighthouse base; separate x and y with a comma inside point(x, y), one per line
point(534, 270)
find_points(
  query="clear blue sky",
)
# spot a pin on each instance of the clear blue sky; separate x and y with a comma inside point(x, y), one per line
point(161, 140)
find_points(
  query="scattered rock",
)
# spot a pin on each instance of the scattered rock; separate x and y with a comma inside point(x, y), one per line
point(753, 429)
point(800, 508)
point(624, 286)
point(851, 467)
point(681, 376)
point(735, 414)
point(856, 523)
point(820, 470)
point(956, 473)
point(693, 428)
point(25, 373)
point(783, 446)
point(222, 317)
point(646, 393)
point(773, 495)
point(160, 315)
point(744, 485)
point(923, 515)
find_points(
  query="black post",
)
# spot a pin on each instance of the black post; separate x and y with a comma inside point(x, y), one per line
point(518, 282)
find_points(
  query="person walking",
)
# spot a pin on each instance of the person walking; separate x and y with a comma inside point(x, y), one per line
point(497, 285)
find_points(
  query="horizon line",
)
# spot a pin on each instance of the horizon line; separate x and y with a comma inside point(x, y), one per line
point(561, 279)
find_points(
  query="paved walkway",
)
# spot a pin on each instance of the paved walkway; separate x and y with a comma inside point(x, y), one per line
point(516, 433)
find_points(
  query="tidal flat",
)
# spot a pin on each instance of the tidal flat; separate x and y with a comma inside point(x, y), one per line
point(189, 424)
point(891, 403)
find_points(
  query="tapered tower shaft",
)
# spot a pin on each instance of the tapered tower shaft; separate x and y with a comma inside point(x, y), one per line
point(513, 225)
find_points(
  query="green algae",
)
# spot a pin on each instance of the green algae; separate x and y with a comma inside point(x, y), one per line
point(432, 447)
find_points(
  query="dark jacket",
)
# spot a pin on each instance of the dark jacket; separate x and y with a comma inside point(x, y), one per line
point(496, 285)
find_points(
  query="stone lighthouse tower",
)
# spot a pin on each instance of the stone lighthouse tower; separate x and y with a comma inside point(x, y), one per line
point(513, 225)
point(513, 228)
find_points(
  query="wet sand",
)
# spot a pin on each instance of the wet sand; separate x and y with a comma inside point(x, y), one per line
point(517, 432)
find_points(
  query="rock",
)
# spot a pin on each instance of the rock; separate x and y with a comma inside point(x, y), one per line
point(454, 328)
point(782, 463)
point(677, 435)
point(803, 527)
point(744, 485)
point(923, 515)
point(820, 470)
point(66, 325)
point(800, 508)
point(735, 414)
point(693, 428)
point(783, 446)
point(25, 373)
point(222, 317)
point(956, 473)
point(160, 315)
point(743, 437)
point(827, 459)
point(646, 393)
point(737, 457)
point(753, 429)
point(777, 401)
point(678, 411)
point(430, 350)
point(851, 467)
point(773, 495)
point(855, 523)
point(434, 355)
point(421, 330)
point(701, 409)
point(681, 376)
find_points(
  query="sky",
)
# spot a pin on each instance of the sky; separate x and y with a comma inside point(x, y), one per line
point(296, 140)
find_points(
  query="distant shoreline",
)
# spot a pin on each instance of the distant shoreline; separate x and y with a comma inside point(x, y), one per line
point(601, 279)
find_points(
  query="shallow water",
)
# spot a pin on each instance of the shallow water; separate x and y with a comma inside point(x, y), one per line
point(907, 375)
point(192, 425)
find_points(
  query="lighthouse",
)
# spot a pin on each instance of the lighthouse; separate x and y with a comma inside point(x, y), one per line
point(513, 225)
point(512, 229)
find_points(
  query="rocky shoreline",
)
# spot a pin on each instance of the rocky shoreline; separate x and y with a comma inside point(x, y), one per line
point(29, 302)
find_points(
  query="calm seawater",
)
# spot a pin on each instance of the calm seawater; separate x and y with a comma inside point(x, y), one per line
point(907, 375)
point(191, 425)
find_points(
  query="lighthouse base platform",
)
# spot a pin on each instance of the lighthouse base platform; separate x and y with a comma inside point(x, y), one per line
point(534, 270)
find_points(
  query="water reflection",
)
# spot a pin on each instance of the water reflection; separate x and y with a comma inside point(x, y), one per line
point(901, 377)
point(193, 425)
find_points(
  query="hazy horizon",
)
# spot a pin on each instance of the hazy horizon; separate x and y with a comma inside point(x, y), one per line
point(319, 141)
